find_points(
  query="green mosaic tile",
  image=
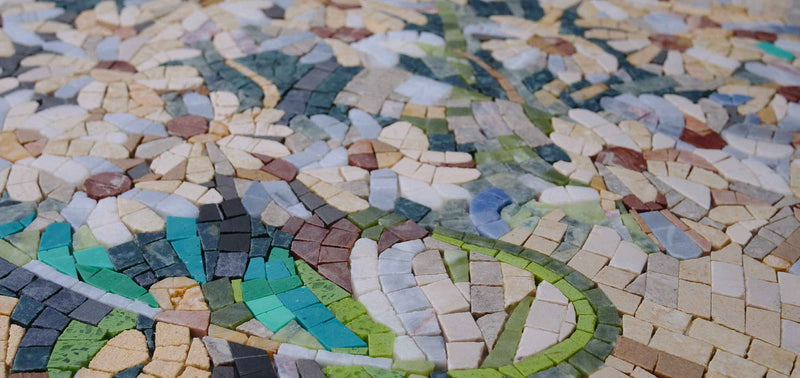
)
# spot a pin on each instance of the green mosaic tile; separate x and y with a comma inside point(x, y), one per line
point(414, 367)
point(580, 337)
point(582, 307)
point(81, 331)
point(448, 236)
point(73, 354)
point(479, 249)
point(504, 349)
point(327, 292)
point(579, 281)
point(355, 351)
point(295, 334)
point(609, 316)
point(285, 284)
point(383, 373)
point(83, 238)
point(346, 372)
point(263, 304)
point(347, 309)
point(519, 262)
point(534, 256)
point(118, 320)
point(586, 323)
point(475, 373)
point(366, 218)
point(542, 272)
point(236, 286)
point(607, 333)
point(510, 371)
point(373, 232)
point(306, 273)
point(599, 349)
point(381, 344)
point(562, 351)
point(457, 264)
point(391, 219)
point(57, 373)
point(511, 249)
point(231, 316)
point(534, 364)
point(95, 257)
point(458, 111)
point(363, 326)
point(218, 293)
point(13, 255)
point(254, 289)
point(585, 362)
point(276, 318)
point(569, 291)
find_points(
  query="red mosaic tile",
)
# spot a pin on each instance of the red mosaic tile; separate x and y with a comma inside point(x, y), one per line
point(292, 225)
point(333, 254)
point(281, 168)
point(346, 225)
point(340, 238)
point(310, 232)
point(338, 273)
point(306, 250)
point(757, 35)
point(622, 157)
point(107, 184)
point(408, 230)
point(365, 161)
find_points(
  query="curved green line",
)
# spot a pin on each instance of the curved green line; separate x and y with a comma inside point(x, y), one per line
point(598, 323)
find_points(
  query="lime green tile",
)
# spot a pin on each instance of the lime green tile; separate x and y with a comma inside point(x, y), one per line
point(534, 364)
point(118, 320)
point(236, 285)
point(363, 326)
point(542, 272)
point(507, 258)
point(345, 372)
point(476, 248)
point(381, 344)
point(414, 367)
point(563, 350)
point(510, 371)
point(582, 307)
point(457, 264)
point(347, 309)
point(580, 337)
point(475, 373)
point(81, 331)
point(569, 291)
point(356, 351)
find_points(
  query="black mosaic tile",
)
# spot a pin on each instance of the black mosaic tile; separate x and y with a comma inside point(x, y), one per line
point(39, 337)
point(128, 254)
point(17, 279)
point(234, 242)
point(90, 312)
point(40, 289)
point(65, 301)
point(51, 318)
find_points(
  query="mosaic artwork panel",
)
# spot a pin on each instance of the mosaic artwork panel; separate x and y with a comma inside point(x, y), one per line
point(399, 188)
